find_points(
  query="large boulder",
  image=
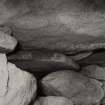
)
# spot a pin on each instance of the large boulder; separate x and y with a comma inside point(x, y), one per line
point(17, 87)
point(80, 89)
point(64, 25)
point(53, 100)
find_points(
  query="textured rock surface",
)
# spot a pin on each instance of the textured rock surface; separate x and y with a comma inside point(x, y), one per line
point(94, 71)
point(80, 56)
point(40, 61)
point(37, 102)
point(53, 100)
point(103, 86)
point(7, 42)
point(63, 25)
point(97, 58)
point(99, 103)
point(6, 29)
point(3, 75)
point(103, 101)
point(80, 89)
point(17, 87)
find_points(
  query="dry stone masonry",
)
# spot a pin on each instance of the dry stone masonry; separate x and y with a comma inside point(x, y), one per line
point(52, 52)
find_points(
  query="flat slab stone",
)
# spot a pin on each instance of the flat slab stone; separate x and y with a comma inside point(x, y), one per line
point(42, 61)
point(53, 100)
point(80, 89)
point(80, 56)
point(97, 58)
point(66, 26)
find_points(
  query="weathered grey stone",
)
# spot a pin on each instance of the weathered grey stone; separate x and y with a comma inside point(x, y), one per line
point(103, 101)
point(103, 86)
point(97, 58)
point(94, 71)
point(17, 87)
point(6, 29)
point(53, 100)
point(66, 26)
point(81, 56)
point(7, 43)
point(80, 89)
point(37, 102)
point(99, 103)
point(42, 61)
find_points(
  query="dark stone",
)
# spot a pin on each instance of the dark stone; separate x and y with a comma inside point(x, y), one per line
point(97, 58)
point(41, 61)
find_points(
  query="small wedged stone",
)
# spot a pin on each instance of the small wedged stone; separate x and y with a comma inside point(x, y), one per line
point(94, 71)
point(17, 87)
point(41, 61)
point(53, 100)
point(7, 43)
point(6, 29)
point(80, 89)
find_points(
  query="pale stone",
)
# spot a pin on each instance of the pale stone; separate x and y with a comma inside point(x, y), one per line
point(17, 87)
point(7, 43)
point(3, 75)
